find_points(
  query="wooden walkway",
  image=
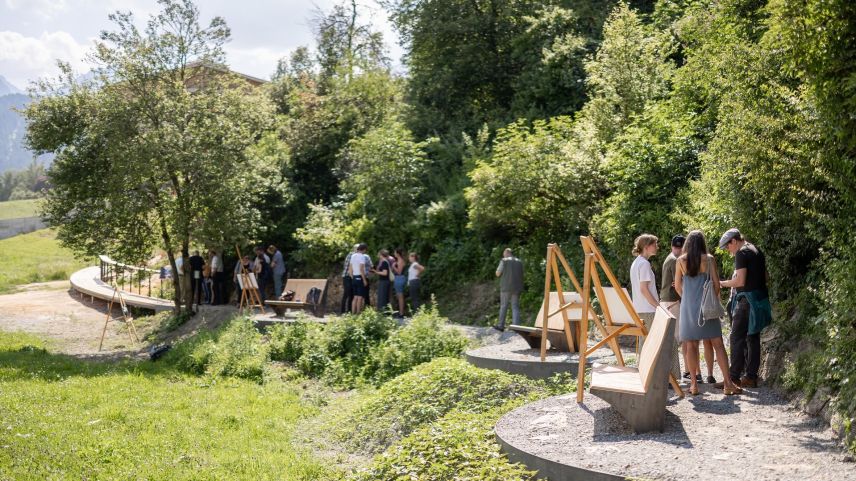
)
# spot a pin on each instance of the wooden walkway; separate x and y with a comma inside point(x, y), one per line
point(88, 282)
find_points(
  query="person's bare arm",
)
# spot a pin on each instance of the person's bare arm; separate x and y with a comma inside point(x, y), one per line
point(646, 293)
point(679, 278)
point(739, 279)
point(714, 275)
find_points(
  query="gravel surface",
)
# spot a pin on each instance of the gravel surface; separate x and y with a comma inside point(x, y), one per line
point(513, 347)
point(755, 436)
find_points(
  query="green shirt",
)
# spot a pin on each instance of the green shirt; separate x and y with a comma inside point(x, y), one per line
point(667, 288)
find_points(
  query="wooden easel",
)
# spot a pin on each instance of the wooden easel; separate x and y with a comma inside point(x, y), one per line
point(554, 254)
point(611, 330)
point(126, 318)
point(250, 298)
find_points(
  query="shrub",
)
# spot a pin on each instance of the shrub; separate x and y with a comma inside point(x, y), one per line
point(192, 354)
point(239, 352)
point(427, 393)
point(460, 447)
point(286, 341)
point(426, 337)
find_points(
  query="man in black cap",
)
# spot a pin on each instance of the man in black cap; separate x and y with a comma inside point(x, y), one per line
point(750, 307)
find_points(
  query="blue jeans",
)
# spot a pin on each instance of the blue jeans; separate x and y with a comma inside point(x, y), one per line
point(504, 298)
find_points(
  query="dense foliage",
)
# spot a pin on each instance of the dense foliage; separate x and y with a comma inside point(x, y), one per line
point(346, 351)
point(531, 121)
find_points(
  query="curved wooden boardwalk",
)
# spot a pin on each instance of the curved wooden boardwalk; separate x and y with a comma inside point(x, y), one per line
point(88, 282)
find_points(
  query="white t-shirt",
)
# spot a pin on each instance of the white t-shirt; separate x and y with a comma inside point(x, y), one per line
point(641, 271)
point(413, 272)
point(358, 260)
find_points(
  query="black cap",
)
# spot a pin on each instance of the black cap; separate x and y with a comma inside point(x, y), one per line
point(678, 241)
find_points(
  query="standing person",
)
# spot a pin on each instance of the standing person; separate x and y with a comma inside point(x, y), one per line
point(248, 266)
point(510, 273)
point(670, 299)
point(179, 266)
point(694, 268)
point(219, 284)
point(277, 265)
point(207, 282)
point(413, 274)
point(383, 271)
point(359, 279)
point(750, 307)
point(263, 271)
point(197, 263)
point(400, 279)
point(642, 282)
point(347, 283)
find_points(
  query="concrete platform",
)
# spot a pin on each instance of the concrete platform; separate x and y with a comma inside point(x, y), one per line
point(709, 437)
point(514, 355)
point(88, 282)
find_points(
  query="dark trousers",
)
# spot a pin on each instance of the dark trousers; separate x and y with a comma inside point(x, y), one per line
point(414, 285)
point(745, 348)
point(219, 288)
point(347, 294)
point(263, 284)
point(196, 288)
point(382, 294)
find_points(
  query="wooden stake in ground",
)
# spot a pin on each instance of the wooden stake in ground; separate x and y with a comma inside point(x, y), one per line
point(126, 318)
point(610, 329)
point(250, 298)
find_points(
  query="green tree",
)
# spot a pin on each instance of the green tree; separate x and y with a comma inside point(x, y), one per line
point(534, 185)
point(157, 153)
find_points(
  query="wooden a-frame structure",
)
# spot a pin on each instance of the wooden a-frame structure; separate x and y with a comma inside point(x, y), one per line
point(572, 333)
point(126, 317)
point(250, 298)
point(609, 329)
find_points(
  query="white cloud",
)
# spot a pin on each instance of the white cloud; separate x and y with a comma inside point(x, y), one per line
point(42, 8)
point(24, 58)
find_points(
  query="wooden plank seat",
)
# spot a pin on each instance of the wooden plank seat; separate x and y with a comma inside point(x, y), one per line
point(555, 328)
point(301, 288)
point(639, 394)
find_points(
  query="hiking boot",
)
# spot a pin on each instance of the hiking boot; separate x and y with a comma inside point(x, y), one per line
point(499, 328)
point(746, 382)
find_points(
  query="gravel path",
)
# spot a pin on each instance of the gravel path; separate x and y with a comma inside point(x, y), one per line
point(755, 436)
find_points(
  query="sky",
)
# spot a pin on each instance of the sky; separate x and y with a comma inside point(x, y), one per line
point(35, 33)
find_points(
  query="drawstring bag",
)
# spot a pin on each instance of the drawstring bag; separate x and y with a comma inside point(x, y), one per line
point(711, 307)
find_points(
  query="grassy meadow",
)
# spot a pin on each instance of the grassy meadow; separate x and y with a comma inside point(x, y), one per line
point(34, 257)
point(14, 209)
point(63, 418)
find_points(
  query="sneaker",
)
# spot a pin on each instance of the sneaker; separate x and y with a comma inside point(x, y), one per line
point(686, 375)
point(711, 380)
point(698, 378)
point(499, 328)
point(746, 382)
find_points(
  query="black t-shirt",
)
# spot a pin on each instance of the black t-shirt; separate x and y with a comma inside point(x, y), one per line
point(384, 266)
point(196, 263)
point(752, 259)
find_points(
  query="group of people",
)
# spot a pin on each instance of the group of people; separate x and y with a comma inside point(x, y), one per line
point(205, 276)
point(393, 272)
point(206, 279)
point(268, 266)
point(687, 272)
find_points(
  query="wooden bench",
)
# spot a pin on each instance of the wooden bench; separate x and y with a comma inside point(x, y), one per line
point(555, 326)
point(639, 394)
point(301, 288)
